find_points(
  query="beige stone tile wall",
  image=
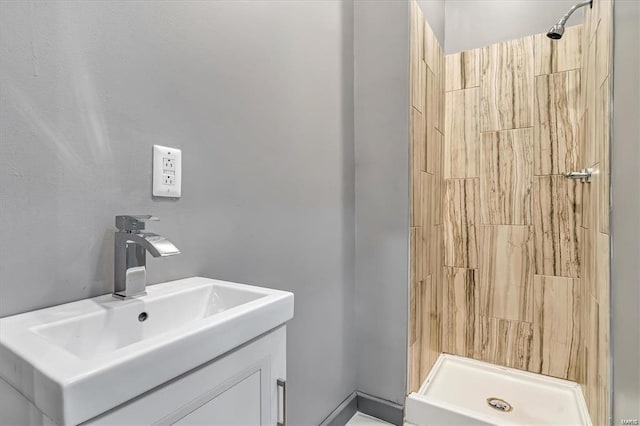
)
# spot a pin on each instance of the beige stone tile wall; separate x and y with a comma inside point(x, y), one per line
point(427, 141)
point(510, 260)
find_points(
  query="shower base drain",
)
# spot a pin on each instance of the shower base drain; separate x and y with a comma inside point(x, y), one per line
point(499, 404)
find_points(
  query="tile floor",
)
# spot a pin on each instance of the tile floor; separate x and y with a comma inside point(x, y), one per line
point(360, 419)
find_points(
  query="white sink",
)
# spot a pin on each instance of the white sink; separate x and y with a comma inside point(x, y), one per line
point(77, 360)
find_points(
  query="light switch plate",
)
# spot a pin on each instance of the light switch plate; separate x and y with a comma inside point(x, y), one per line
point(167, 171)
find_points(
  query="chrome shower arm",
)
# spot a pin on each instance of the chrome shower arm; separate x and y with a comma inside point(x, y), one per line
point(557, 30)
point(575, 7)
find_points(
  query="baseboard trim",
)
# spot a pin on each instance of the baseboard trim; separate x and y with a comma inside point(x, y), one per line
point(380, 408)
point(341, 415)
point(366, 404)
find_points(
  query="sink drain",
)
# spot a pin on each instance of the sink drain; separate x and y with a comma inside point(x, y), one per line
point(143, 317)
point(499, 404)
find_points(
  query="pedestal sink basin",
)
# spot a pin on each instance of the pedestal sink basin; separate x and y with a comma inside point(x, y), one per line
point(77, 360)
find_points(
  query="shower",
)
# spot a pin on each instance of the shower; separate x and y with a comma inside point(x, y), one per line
point(557, 30)
point(510, 277)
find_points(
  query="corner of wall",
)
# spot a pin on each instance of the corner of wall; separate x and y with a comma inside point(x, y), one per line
point(382, 195)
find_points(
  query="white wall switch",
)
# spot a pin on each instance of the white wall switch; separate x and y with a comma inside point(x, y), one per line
point(167, 171)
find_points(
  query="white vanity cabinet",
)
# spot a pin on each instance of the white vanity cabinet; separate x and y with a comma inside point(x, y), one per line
point(239, 388)
point(195, 351)
point(245, 386)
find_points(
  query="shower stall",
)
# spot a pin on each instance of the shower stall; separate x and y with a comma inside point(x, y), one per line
point(509, 237)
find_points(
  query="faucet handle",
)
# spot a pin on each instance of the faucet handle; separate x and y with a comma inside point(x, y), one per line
point(128, 223)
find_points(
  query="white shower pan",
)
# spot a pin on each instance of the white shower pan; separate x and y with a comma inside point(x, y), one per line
point(463, 391)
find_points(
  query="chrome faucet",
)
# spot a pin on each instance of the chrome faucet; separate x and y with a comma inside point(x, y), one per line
point(131, 245)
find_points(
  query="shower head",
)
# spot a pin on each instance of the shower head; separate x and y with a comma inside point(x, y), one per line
point(557, 30)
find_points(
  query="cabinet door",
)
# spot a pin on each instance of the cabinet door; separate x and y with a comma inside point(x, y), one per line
point(239, 388)
point(237, 406)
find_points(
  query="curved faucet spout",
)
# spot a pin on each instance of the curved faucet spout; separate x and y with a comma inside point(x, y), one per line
point(132, 243)
point(156, 245)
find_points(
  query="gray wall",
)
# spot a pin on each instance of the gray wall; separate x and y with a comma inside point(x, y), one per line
point(382, 196)
point(433, 11)
point(625, 181)
point(476, 23)
point(259, 95)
